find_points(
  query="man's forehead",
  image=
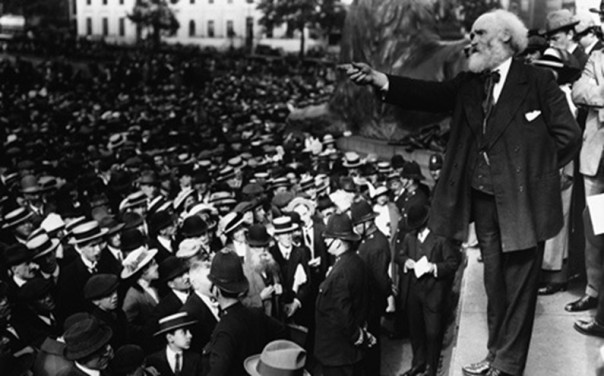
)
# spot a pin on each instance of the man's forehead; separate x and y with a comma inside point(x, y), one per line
point(484, 23)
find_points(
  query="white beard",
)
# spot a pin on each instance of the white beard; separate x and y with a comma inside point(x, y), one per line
point(490, 58)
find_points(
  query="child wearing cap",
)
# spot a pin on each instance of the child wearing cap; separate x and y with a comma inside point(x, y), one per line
point(176, 359)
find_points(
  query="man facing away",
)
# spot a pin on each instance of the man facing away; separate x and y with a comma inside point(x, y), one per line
point(501, 169)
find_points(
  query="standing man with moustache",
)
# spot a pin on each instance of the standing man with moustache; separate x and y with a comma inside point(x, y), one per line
point(501, 169)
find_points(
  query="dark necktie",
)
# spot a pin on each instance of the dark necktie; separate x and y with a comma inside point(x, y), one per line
point(491, 78)
point(178, 365)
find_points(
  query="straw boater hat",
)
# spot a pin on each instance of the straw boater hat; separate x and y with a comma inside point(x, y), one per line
point(300, 201)
point(381, 190)
point(352, 160)
point(279, 358)
point(86, 233)
point(16, 217)
point(42, 245)
point(566, 66)
point(284, 225)
point(232, 222)
point(173, 322)
point(136, 261)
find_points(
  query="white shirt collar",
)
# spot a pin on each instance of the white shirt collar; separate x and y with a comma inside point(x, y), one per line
point(165, 242)
point(182, 296)
point(88, 371)
point(116, 252)
point(503, 69)
point(210, 304)
point(423, 234)
point(171, 355)
point(591, 47)
point(19, 281)
point(88, 263)
point(286, 252)
point(240, 248)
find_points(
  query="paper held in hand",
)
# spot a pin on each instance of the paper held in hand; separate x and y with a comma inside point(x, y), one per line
point(422, 266)
point(595, 204)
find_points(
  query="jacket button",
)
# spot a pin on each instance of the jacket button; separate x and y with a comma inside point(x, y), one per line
point(521, 189)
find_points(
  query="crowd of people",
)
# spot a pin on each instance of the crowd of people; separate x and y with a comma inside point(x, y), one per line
point(159, 217)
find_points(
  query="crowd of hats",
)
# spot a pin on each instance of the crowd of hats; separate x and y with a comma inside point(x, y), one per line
point(82, 149)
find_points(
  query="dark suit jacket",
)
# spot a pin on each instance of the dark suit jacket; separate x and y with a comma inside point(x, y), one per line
point(191, 364)
point(118, 323)
point(374, 250)
point(524, 155)
point(437, 250)
point(320, 251)
point(162, 252)
point(70, 289)
point(341, 311)
point(108, 263)
point(206, 322)
point(32, 329)
point(241, 332)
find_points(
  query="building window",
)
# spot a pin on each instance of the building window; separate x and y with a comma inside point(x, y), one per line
point(230, 30)
point(88, 26)
point(122, 26)
point(211, 29)
point(105, 26)
point(191, 28)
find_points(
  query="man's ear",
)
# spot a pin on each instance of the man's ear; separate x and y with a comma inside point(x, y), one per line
point(505, 36)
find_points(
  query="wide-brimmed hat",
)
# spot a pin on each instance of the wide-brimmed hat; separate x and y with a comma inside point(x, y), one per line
point(284, 225)
point(86, 337)
point(278, 358)
point(73, 224)
point(559, 20)
point(136, 261)
point(339, 226)
point(586, 24)
point(233, 221)
point(111, 224)
point(226, 273)
point(115, 141)
point(134, 200)
point(598, 10)
point(127, 359)
point(52, 223)
point(16, 254)
point(188, 248)
point(257, 236)
point(379, 191)
point(324, 202)
point(417, 216)
point(174, 321)
point(87, 232)
point(361, 211)
point(352, 160)
point(411, 170)
point(41, 244)
point(307, 183)
point(15, 217)
point(100, 286)
point(171, 268)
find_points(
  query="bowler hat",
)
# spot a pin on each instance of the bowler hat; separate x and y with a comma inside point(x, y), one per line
point(136, 261)
point(226, 272)
point(171, 268)
point(194, 226)
point(159, 221)
point(339, 226)
point(132, 220)
point(324, 202)
point(416, 216)
point(86, 337)
point(559, 20)
point(257, 236)
point(361, 211)
point(100, 286)
point(41, 244)
point(111, 224)
point(132, 239)
point(16, 254)
point(278, 358)
point(16, 217)
point(29, 184)
point(173, 322)
point(86, 233)
point(148, 178)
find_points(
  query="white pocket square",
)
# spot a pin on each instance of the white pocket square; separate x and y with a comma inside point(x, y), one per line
point(530, 116)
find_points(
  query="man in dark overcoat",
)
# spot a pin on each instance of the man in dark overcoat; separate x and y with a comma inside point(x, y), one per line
point(501, 169)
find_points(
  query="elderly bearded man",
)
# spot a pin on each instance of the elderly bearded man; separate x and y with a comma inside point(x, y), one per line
point(501, 170)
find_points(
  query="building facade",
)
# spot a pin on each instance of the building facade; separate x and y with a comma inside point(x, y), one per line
point(208, 23)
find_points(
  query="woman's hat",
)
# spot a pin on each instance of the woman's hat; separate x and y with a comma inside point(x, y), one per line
point(417, 216)
point(188, 248)
point(257, 236)
point(232, 222)
point(136, 261)
point(15, 217)
point(173, 322)
point(379, 191)
point(339, 226)
point(279, 358)
point(559, 20)
point(86, 337)
point(283, 225)
point(41, 244)
point(361, 211)
point(87, 232)
point(226, 272)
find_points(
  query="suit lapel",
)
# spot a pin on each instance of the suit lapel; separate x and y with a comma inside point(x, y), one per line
point(514, 91)
point(472, 98)
point(428, 246)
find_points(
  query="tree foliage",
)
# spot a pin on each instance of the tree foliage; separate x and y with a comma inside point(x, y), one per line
point(471, 9)
point(326, 15)
point(156, 16)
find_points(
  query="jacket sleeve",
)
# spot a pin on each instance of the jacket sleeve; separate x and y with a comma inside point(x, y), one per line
point(561, 123)
point(589, 90)
point(379, 267)
point(451, 259)
point(421, 95)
